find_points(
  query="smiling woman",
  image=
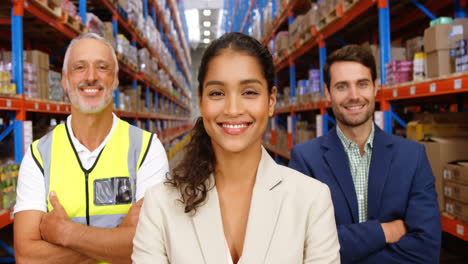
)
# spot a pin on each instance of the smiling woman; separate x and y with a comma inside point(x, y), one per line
point(227, 201)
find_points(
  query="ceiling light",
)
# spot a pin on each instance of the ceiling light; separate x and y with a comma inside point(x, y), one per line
point(206, 23)
point(206, 12)
point(206, 41)
point(193, 23)
point(206, 33)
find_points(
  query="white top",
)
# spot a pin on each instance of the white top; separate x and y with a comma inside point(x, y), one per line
point(31, 193)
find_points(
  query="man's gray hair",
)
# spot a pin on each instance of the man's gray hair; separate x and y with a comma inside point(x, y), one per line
point(89, 36)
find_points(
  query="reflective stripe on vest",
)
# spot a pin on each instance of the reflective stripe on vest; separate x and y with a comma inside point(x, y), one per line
point(120, 158)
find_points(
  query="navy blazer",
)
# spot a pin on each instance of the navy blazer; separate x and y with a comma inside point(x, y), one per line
point(401, 186)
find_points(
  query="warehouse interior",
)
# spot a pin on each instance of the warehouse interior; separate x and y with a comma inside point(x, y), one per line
point(420, 48)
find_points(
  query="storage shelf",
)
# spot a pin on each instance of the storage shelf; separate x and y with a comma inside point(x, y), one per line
point(180, 31)
point(46, 17)
point(6, 217)
point(279, 21)
point(146, 115)
point(142, 43)
point(303, 107)
point(273, 149)
point(455, 83)
point(154, 84)
point(12, 102)
point(244, 21)
point(454, 227)
point(322, 34)
point(15, 103)
point(175, 133)
point(171, 41)
point(451, 84)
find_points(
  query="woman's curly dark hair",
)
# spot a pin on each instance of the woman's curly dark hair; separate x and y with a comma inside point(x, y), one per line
point(191, 175)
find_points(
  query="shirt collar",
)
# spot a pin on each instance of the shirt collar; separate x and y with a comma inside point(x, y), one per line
point(80, 147)
point(347, 143)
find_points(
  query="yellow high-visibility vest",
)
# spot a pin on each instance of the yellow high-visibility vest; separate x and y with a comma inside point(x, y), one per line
point(102, 195)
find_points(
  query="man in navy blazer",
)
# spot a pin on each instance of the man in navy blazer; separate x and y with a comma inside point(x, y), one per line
point(382, 185)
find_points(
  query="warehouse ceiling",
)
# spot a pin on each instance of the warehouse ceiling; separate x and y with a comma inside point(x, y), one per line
point(203, 20)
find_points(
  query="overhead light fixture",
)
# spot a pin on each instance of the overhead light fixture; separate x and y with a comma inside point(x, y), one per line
point(206, 23)
point(193, 23)
point(206, 12)
point(206, 33)
point(206, 41)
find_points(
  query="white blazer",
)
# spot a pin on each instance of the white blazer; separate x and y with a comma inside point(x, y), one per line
point(291, 220)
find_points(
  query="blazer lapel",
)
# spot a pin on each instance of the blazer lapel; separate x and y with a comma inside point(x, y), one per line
point(382, 155)
point(339, 164)
point(264, 211)
point(209, 229)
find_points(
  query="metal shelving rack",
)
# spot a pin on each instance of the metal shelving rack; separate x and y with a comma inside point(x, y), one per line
point(17, 105)
point(456, 83)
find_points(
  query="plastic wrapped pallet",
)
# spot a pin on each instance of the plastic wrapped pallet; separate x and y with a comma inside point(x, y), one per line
point(55, 86)
point(6, 87)
point(95, 25)
point(144, 61)
point(109, 33)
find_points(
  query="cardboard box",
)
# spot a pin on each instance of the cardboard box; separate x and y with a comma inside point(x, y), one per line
point(109, 33)
point(457, 172)
point(440, 151)
point(459, 31)
point(437, 37)
point(311, 18)
point(456, 191)
point(282, 41)
point(413, 46)
point(439, 63)
point(123, 4)
point(457, 209)
point(41, 61)
point(415, 131)
point(441, 118)
point(398, 53)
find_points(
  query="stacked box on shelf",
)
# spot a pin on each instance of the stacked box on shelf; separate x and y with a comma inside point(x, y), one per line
point(131, 98)
point(399, 72)
point(30, 77)
point(95, 25)
point(440, 151)
point(109, 34)
point(314, 86)
point(414, 45)
point(311, 18)
point(303, 132)
point(397, 53)
point(6, 85)
point(144, 61)
point(456, 189)
point(460, 54)
point(419, 66)
point(30, 82)
point(135, 14)
point(281, 44)
point(437, 47)
point(40, 60)
point(123, 4)
point(283, 98)
point(295, 31)
point(9, 178)
point(129, 52)
point(426, 125)
point(73, 19)
point(55, 86)
point(267, 19)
